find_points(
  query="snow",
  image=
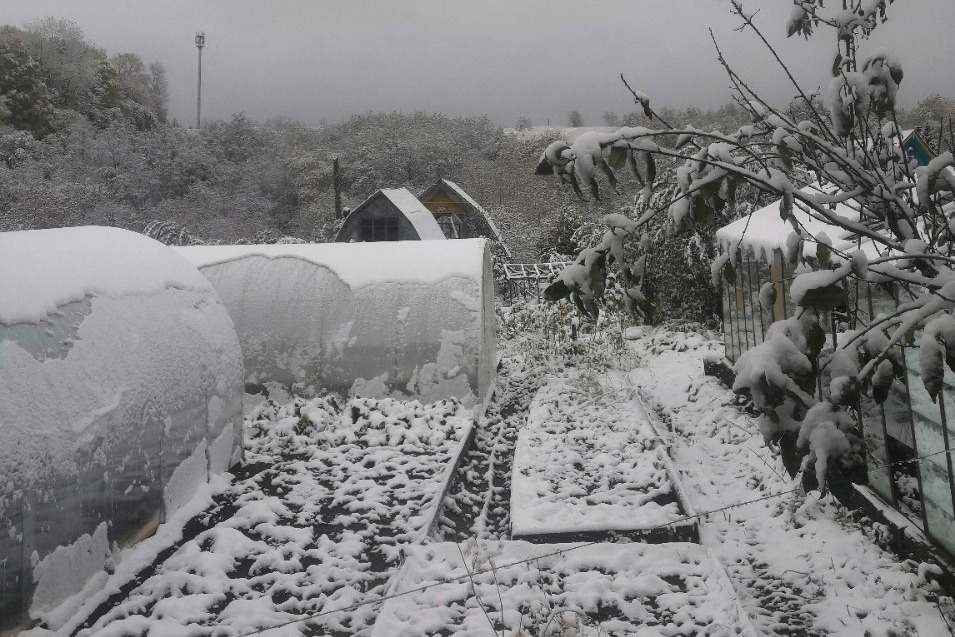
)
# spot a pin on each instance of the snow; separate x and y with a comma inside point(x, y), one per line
point(807, 281)
point(334, 495)
point(566, 133)
point(799, 563)
point(35, 286)
point(416, 212)
point(128, 355)
point(586, 463)
point(633, 333)
point(343, 502)
point(637, 589)
point(67, 569)
point(364, 264)
point(387, 318)
point(764, 232)
point(104, 398)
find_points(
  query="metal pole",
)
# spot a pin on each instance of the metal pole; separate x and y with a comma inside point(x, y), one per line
point(200, 42)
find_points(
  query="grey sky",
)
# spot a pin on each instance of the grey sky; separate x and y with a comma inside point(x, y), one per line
point(505, 58)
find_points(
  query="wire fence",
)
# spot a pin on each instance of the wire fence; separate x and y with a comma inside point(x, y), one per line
point(558, 552)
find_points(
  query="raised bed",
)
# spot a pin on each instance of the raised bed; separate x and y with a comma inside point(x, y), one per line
point(589, 466)
point(498, 587)
point(329, 500)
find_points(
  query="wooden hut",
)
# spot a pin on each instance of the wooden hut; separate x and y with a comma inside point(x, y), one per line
point(392, 214)
point(916, 146)
point(459, 215)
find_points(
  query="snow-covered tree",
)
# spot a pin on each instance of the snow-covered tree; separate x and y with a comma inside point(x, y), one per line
point(24, 98)
point(812, 155)
point(935, 115)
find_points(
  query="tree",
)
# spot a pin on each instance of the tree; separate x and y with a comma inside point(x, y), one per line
point(71, 65)
point(574, 118)
point(158, 91)
point(849, 153)
point(611, 119)
point(107, 92)
point(934, 115)
point(132, 77)
point(523, 123)
point(23, 93)
point(142, 85)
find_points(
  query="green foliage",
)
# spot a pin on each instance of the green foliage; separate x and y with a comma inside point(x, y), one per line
point(23, 93)
point(80, 79)
point(678, 276)
point(824, 299)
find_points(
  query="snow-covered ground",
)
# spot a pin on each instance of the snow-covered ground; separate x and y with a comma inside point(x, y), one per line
point(798, 562)
point(341, 521)
point(588, 461)
point(519, 588)
point(316, 521)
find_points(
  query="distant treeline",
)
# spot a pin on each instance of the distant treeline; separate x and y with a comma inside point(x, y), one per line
point(84, 139)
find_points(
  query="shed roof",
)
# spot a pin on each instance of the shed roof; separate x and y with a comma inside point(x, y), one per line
point(764, 231)
point(415, 211)
point(408, 205)
point(913, 138)
point(457, 190)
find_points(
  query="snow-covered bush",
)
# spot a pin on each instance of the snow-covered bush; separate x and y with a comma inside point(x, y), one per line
point(849, 148)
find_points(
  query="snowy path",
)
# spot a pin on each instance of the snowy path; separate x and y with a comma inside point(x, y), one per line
point(479, 501)
point(799, 565)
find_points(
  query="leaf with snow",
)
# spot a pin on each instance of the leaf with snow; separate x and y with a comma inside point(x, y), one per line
point(767, 296)
point(937, 348)
point(823, 249)
point(821, 289)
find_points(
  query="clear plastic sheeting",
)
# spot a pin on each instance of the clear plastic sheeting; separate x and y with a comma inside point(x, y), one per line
point(120, 393)
point(404, 318)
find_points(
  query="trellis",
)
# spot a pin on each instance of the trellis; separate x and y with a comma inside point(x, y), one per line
point(527, 279)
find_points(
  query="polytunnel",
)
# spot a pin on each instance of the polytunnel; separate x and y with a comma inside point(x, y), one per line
point(120, 393)
point(409, 318)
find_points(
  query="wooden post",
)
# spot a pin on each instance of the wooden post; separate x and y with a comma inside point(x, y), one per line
point(776, 274)
point(338, 189)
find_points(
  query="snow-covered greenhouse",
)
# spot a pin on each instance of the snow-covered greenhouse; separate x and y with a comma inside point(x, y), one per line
point(909, 424)
point(414, 318)
point(120, 394)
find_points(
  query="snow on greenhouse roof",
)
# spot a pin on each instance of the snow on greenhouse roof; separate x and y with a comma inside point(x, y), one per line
point(365, 263)
point(419, 216)
point(764, 231)
point(35, 286)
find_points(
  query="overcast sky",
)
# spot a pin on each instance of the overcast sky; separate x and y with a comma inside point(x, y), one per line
point(314, 60)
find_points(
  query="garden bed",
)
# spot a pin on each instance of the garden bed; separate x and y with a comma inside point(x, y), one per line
point(589, 466)
point(329, 499)
point(484, 588)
